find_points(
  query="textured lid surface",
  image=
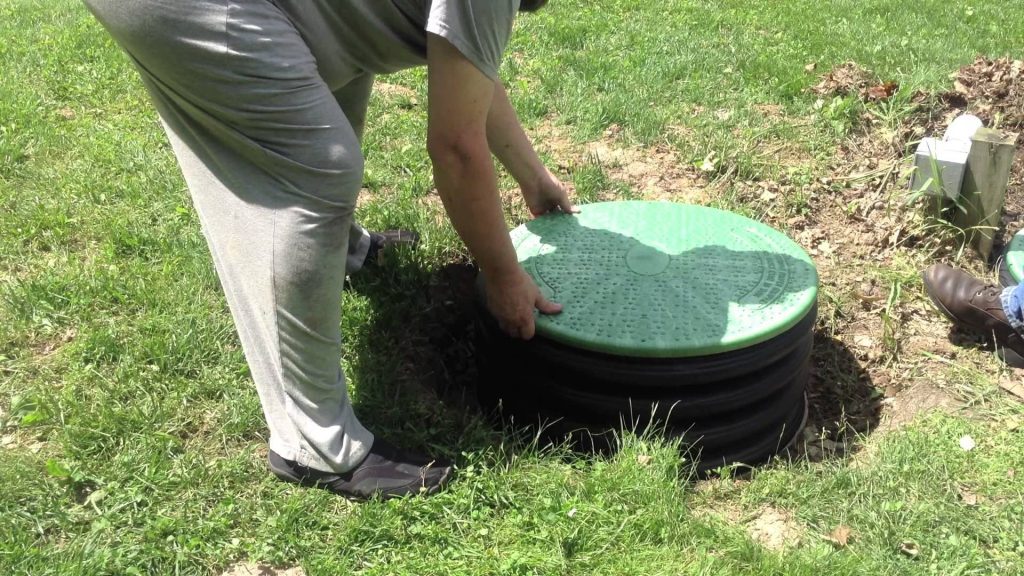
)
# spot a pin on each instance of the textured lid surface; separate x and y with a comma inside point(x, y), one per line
point(1015, 256)
point(663, 279)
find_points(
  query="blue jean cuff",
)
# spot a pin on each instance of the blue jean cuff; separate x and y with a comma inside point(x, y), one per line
point(1011, 302)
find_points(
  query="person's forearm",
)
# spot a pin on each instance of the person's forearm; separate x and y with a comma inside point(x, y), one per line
point(467, 184)
point(509, 143)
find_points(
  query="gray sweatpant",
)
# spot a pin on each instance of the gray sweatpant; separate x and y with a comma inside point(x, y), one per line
point(270, 151)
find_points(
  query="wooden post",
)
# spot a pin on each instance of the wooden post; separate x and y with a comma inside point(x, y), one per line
point(984, 189)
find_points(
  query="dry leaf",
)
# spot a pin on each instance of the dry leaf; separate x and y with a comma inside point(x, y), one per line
point(643, 459)
point(909, 549)
point(863, 341)
point(844, 79)
point(709, 164)
point(869, 293)
point(811, 67)
point(991, 90)
point(880, 92)
point(840, 537)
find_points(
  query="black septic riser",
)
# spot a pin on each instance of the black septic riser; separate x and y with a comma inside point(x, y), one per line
point(737, 407)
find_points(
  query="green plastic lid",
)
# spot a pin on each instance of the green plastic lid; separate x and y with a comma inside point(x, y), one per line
point(1015, 256)
point(663, 279)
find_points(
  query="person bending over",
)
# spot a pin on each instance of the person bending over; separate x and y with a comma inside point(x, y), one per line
point(264, 103)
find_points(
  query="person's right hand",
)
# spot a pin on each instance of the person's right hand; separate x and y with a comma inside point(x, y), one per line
point(512, 299)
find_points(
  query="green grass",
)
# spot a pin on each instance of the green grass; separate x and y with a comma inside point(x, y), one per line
point(132, 434)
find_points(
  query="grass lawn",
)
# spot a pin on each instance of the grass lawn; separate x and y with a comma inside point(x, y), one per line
point(131, 438)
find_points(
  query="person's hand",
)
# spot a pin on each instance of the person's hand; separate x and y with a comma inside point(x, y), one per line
point(547, 194)
point(512, 299)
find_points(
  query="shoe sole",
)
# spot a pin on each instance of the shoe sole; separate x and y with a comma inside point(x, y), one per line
point(287, 476)
point(1011, 358)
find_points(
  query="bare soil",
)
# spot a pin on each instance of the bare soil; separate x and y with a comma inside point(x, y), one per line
point(251, 569)
point(774, 528)
point(653, 173)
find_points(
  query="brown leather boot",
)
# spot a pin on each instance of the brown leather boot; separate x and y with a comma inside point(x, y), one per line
point(971, 304)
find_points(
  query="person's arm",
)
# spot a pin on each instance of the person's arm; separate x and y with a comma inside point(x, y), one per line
point(459, 100)
point(542, 191)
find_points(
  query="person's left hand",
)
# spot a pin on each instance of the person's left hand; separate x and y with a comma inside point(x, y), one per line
point(547, 194)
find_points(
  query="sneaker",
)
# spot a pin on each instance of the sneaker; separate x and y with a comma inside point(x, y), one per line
point(386, 472)
point(972, 304)
point(383, 240)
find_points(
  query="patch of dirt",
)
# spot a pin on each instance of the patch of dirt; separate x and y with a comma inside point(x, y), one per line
point(365, 197)
point(17, 439)
point(1012, 386)
point(775, 529)
point(48, 347)
point(252, 569)
point(395, 91)
point(771, 527)
point(653, 173)
point(905, 405)
point(770, 110)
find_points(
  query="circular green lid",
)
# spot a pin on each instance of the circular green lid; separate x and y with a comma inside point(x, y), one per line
point(1015, 256)
point(663, 279)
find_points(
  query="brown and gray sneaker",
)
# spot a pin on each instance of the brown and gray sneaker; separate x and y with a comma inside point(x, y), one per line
point(386, 472)
point(972, 304)
point(387, 239)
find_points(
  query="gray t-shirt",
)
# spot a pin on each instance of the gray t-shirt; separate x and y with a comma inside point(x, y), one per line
point(480, 29)
point(348, 37)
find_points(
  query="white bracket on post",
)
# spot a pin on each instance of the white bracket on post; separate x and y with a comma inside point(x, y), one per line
point(940, 165)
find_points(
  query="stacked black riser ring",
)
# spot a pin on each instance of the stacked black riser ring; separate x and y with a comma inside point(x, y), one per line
point(738, 407)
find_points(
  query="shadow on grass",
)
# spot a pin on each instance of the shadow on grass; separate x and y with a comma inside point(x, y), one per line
point(844, 406)
point(413, 363)
point(416, 375)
